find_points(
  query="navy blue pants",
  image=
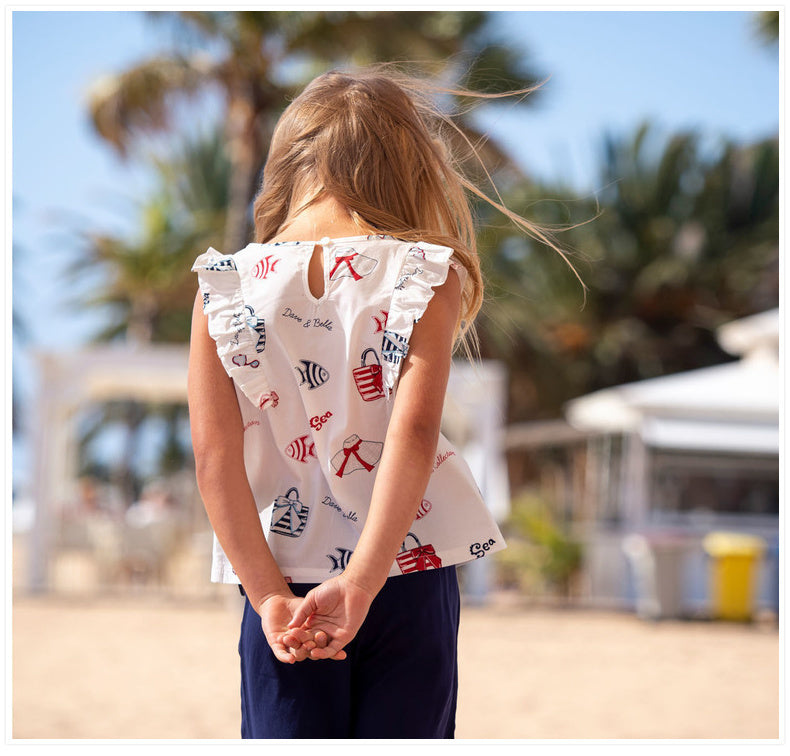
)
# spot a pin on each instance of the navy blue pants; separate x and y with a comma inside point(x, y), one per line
point(400, 679)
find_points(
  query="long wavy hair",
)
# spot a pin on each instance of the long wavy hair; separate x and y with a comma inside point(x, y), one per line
point(376, 142)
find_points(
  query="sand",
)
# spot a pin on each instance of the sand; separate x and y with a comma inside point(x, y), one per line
point(141, 666)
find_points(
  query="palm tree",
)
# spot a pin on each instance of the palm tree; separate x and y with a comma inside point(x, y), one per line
point(685, 243)
point(766, 25)
point(263, 58)
point(150, 289)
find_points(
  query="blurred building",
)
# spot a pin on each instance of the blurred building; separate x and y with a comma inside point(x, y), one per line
point(674, 457)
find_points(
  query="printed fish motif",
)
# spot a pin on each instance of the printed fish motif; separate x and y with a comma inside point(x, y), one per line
point(340, 562)
point(264, 267)
point(313, 374)
point(301, 449)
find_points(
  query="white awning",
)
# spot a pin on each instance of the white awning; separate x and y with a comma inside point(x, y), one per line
point(711, 435)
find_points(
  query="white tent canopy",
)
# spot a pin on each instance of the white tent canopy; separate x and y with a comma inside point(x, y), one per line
point(725, 408)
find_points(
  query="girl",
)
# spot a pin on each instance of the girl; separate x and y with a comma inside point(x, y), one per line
point(318, 367)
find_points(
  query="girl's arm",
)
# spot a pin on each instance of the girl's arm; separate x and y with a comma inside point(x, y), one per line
point(339, 605)
point(218, 444)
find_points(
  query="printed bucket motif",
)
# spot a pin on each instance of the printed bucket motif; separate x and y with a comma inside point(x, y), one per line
point(289, 515)
point(418, 559)
point(368, 378)
point(393, 347)
point(356, 454)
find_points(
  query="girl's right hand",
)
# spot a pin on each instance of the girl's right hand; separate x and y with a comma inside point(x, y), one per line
point(289, 645)
point(334, 610)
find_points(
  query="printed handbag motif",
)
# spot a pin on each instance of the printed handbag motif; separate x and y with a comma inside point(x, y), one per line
point(393, 347)
point(356, 454)
point(289, 515)
point(368, 378)
point(418, 559)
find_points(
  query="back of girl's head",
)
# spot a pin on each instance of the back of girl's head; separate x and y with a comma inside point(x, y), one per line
point(374, 141)
point(362, 139)
point(371, 140)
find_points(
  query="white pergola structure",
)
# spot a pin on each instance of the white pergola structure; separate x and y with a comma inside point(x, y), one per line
point(69, 381)
point(474, 414)
point(730, 408)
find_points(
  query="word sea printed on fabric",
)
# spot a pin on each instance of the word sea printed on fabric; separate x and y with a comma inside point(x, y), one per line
point(478, 550)
point(317, 421)
point(289, 515)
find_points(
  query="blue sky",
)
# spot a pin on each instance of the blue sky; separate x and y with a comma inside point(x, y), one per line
point(609, 70)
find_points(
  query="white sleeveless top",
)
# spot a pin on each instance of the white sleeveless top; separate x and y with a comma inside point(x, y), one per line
point(314, 380)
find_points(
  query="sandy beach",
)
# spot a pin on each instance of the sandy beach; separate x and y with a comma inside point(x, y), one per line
point(141, 666)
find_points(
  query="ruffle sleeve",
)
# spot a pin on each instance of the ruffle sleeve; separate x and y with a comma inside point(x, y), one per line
point(424, 267)
point(239, 333)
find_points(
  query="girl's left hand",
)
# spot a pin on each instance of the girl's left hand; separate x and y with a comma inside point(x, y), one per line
point(288, 645)
point(336, 610)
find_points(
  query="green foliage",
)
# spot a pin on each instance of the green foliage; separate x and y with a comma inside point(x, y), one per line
point(682, 239)
point(540, 556)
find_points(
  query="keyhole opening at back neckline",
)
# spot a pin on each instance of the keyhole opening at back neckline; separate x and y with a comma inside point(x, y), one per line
point(315, 272)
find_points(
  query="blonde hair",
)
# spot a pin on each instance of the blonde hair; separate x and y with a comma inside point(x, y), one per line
point(376, 142)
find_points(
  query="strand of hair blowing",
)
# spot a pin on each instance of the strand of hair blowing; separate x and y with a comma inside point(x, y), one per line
point(374, 141)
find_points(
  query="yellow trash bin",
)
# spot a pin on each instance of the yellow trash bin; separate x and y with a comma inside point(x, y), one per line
point(734, 561)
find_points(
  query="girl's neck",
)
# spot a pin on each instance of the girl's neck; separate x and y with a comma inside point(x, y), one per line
point(325, 218)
